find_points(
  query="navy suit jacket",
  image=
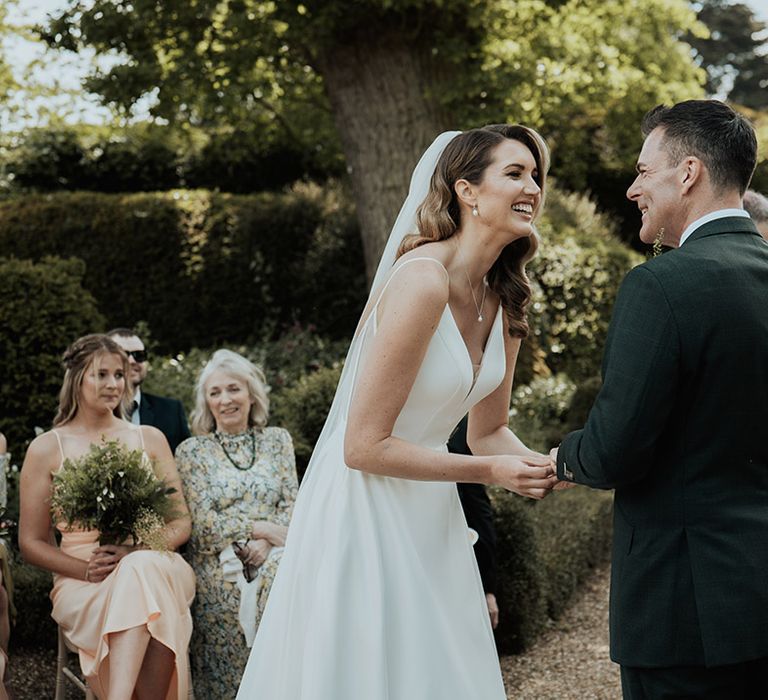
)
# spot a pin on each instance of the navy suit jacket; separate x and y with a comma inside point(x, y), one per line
point(678, 430)
point(167, 415)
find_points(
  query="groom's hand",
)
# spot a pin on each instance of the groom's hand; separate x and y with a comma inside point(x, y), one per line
point(560, 485)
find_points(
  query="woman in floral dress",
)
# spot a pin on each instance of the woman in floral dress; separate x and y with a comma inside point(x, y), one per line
point(240, 481)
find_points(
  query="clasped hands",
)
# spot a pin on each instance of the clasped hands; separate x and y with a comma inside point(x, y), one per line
point(104, 559)
point(533, 476)
point(254, 552)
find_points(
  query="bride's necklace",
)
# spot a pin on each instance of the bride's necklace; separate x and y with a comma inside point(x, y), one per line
point(229, 456)
point(479, 306)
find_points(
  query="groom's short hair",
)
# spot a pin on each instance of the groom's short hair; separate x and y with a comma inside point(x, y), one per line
point(710, 130)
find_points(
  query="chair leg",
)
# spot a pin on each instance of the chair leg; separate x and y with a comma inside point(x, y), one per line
point(64, 673)
point(61, 662)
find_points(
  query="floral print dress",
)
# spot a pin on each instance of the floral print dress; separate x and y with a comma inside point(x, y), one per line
point(224, 500)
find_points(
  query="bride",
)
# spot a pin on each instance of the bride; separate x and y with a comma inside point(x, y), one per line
point(378, 595)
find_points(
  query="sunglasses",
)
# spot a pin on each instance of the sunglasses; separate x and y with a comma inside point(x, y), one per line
point(239, 547)
point(138, 355)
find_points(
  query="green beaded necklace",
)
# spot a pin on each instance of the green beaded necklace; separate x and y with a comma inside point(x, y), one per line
point(229, 456)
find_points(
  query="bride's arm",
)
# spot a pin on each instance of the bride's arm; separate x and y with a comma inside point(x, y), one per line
point(408, 316)
point(488, 431)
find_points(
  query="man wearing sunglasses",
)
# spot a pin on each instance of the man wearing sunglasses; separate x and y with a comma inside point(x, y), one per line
point(148, 409)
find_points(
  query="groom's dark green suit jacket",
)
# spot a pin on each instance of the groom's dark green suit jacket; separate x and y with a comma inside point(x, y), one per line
point(680, 431)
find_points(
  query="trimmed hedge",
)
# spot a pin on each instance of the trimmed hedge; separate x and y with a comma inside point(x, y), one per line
point(34, 628)
point(545, 549)
point(203, 268)
point(145, 158)
point(43, 308)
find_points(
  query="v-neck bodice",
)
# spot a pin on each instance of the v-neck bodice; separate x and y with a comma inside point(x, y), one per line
point(447, 385)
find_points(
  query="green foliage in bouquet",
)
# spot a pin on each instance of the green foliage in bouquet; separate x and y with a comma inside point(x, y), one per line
point(114, 490)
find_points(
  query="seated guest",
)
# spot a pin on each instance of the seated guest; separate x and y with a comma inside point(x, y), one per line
point(479, 514)
point(240, 480)
point(165, 414)
point(125, 609)
point(757, 207)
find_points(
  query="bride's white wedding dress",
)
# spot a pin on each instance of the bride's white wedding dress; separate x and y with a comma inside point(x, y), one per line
point(378, 595)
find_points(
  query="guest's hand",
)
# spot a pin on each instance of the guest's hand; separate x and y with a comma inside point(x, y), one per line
point(256, 552)
point(103, 561)
point(272, 532)
point(527, 476)
point(493, 609)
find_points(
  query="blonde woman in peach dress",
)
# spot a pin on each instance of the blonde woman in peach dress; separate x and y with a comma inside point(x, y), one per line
point(125, 609)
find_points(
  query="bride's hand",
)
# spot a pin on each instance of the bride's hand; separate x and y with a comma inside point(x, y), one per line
point(532, 477)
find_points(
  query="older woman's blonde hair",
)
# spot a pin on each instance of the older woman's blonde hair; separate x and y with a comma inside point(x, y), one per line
point(242, 369)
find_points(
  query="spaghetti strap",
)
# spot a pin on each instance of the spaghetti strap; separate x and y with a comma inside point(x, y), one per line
point(401, 266)
point(141, 437)
point(371, 314)
point(397, 269)
point(61, 447)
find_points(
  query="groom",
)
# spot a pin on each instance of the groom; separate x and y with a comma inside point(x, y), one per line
point(679, 427)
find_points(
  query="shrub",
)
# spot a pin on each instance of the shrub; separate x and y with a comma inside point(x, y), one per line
point(576, 275)
point(146, 157)
point(34, 628)
point(43, 308)
point(285, 361)
point(581, 403)
point(131, 164)
point(538, 411)
point(49, 160)
point(175, 376)
point(303, 408)
point(243, 162)
point(545, 550)
point(202, 268)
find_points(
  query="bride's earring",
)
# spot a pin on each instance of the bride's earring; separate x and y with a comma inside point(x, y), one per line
point(474, 211)
point(656, 249)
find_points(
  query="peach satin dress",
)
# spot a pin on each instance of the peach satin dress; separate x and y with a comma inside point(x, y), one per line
point(145, 588)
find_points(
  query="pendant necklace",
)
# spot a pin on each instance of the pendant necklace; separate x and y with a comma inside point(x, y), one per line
point(479, 306)
point(229, 456)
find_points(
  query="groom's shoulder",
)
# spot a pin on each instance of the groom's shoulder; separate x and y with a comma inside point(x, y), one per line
point(671, 264)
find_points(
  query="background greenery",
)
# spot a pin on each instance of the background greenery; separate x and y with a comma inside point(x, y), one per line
point(247, 206)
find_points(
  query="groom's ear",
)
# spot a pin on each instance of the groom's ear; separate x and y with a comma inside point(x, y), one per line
point(691, 172)
point(465, 192)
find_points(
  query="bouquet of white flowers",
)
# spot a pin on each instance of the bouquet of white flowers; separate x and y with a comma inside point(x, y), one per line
point(114, 490)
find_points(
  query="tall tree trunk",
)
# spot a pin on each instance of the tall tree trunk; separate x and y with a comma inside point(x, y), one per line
point(382, 91)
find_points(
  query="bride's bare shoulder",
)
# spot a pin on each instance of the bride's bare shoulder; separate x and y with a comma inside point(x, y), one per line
point(423, 276)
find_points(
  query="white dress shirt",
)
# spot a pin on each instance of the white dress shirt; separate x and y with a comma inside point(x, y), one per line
point(135, 415)
point(712, 216)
